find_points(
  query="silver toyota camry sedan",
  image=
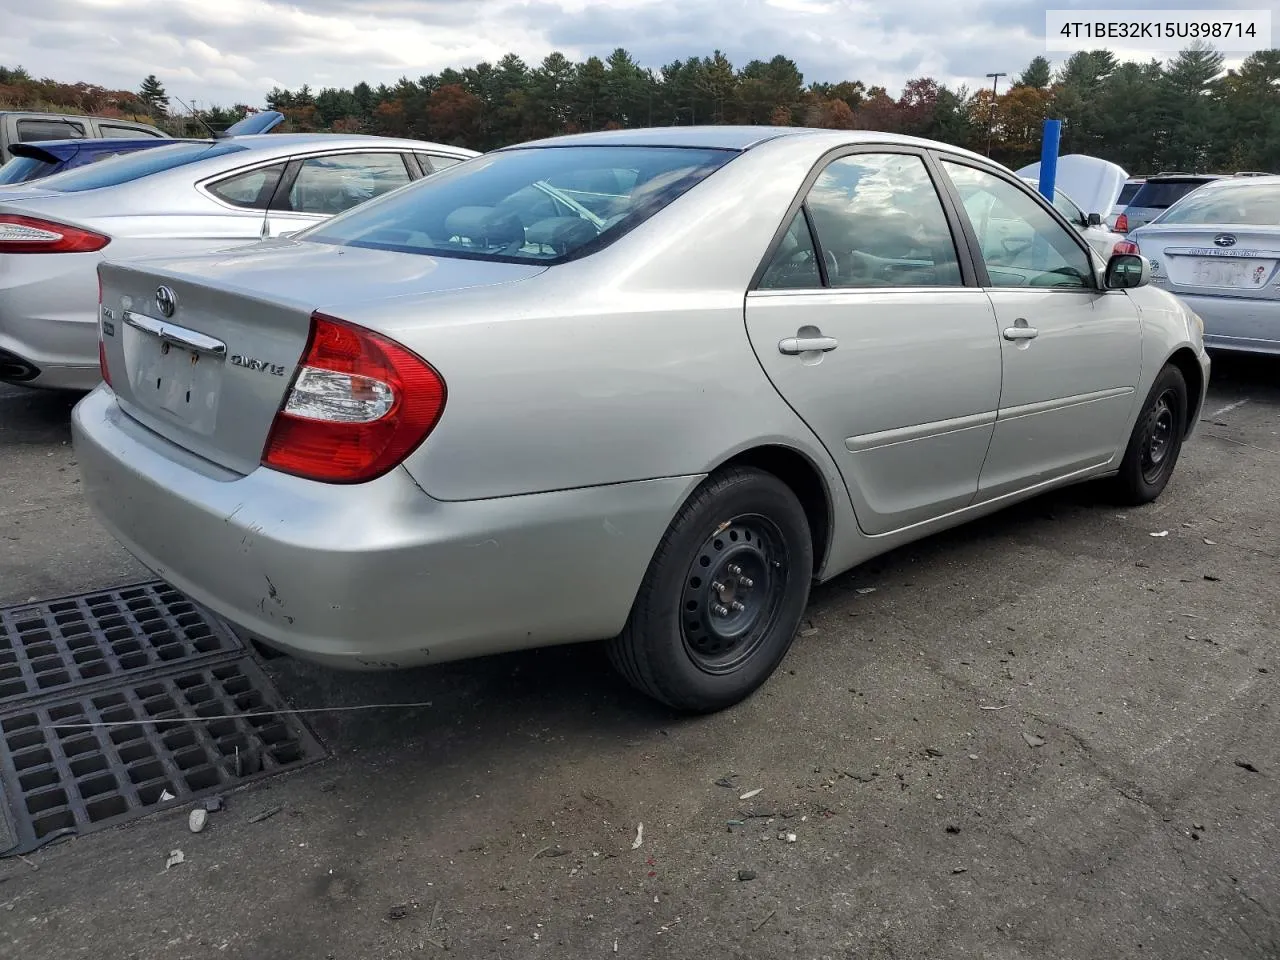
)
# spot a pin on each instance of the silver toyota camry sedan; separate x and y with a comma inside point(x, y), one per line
point(185, 197)
point(639, 386)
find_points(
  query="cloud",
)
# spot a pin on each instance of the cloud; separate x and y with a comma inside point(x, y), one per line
point(236, 50)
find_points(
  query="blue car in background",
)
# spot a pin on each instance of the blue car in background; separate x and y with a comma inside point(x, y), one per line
point(31, 161)
point(43, 158)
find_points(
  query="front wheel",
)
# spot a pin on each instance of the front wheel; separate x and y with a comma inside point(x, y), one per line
point(722, 598)
point(1156, 440)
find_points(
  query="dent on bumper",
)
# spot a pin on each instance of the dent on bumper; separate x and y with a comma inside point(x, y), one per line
point(377, 575)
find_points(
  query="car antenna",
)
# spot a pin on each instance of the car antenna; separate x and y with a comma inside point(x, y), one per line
point(199, 119)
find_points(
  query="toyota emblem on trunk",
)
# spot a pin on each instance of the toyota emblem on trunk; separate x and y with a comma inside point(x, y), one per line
point(1225, 240)
point(166, 301)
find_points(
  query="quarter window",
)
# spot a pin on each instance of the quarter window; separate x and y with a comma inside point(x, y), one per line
point(251, 189)
point(1021, 243)
point(330, 185)
point(795, 263)
point(880, 223)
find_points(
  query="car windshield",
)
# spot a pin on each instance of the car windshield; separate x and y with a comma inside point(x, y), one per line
point(1160, 194)
point(22, 169)
point(134, 166)
point(1246, 204)
point(528, 205)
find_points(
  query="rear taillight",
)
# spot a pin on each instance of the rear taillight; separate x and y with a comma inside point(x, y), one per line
point(31, 235)
point(358, 405)
point(1122, 223)
point(1125, 247)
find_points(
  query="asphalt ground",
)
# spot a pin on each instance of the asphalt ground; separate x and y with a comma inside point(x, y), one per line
point(900, 745)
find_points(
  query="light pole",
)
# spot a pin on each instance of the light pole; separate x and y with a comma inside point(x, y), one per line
point(991, 127)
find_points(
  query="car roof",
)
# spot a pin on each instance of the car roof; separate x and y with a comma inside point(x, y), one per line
point(291, 141)
point(730, 137)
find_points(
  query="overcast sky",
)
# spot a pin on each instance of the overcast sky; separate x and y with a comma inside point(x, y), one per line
point(222, 51)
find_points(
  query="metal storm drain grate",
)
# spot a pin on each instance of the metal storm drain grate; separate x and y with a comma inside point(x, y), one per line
point(62, 644)
point(184, 712)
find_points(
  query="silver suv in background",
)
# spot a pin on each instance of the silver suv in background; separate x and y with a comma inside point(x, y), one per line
point(24, 126)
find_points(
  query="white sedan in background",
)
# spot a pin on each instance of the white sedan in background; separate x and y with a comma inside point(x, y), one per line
point(184, 198)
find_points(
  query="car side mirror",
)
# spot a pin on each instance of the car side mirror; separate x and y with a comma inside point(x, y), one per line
point(1127, 270)
point(1094, 220)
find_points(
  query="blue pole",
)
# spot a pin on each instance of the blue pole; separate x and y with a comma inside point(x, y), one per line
point(1049, 157)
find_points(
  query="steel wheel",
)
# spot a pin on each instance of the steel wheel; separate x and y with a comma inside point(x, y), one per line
point(723, 594)
point(733, 592)
point(1157, 436)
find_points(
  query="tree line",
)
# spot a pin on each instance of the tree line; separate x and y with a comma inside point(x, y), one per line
point(1183, 114)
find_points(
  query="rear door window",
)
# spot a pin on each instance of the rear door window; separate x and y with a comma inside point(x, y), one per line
point(880, 223)
point(333, 184)
point(32, 131)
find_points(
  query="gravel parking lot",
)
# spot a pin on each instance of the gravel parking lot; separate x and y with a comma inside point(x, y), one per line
point(1048, 734)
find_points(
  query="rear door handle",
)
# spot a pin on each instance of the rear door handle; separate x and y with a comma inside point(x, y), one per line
point(794, 345)
point(1021, 330)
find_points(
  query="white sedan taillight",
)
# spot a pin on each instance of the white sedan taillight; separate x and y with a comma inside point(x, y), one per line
point(33, 235)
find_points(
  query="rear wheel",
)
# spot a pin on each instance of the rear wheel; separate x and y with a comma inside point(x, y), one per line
point(1156, 440)
point(723, 595)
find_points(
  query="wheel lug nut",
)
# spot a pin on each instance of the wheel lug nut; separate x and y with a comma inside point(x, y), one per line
point(720, 610)
point(737, 606)
point(746, 582)
point(717, 586)
point(735, 569)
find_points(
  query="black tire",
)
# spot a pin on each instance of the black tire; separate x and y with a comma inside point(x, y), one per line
point(683, 644)
point(1156, 440)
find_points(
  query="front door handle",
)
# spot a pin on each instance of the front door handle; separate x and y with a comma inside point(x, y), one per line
point(794, 345)
point(1021, 330)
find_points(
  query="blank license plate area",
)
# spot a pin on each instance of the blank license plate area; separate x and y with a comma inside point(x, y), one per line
point(1231, 274)
point(169, 378)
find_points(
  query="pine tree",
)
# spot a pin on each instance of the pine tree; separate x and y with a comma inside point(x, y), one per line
point(153, 96)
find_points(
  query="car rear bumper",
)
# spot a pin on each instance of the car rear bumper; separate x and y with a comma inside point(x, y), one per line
point(49, 319)
point(375, 575)
point(1238, 323)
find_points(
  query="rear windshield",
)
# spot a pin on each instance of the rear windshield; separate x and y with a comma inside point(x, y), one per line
point(1126, 194)
point(1162, 194)
point(22, 169)
point(1245, 204)
point(532, 205)
point(136, 165)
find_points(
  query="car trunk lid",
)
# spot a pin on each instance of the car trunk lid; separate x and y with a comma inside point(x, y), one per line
point(1215, 260)
point(203, 350)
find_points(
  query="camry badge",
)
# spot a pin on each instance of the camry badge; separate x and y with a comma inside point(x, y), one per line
point(253, 363)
